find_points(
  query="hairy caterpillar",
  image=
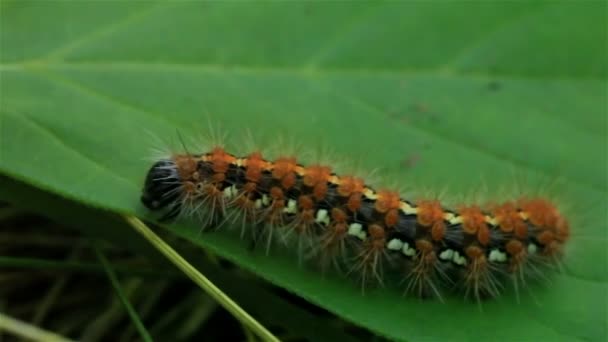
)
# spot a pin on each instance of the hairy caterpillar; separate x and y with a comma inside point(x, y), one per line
point(347, 224)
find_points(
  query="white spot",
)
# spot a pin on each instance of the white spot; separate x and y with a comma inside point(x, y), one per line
point(447, 254)
point(355, 229)
point(394, 245)
point(408, 209)
point(370, 194)
point(532, 248)
point(491, 220)
point(497, 256)
point(258, 204)
point(322, 217)
point(230, 191)
point(291, 208)
point(456, 220)
point(227, 192)
point(407, 250)
point(265, 200)
point(362, 235)
point(459, 259)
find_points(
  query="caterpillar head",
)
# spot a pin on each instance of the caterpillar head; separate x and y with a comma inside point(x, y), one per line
point(162, 186)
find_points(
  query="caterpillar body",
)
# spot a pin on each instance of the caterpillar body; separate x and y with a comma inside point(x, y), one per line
point(351, 226)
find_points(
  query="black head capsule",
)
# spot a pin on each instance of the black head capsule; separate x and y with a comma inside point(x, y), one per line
point(162, 188)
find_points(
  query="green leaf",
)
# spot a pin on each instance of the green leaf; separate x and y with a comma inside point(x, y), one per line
point(438, 95)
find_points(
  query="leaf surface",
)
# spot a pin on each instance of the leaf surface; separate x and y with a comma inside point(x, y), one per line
point(452, 95)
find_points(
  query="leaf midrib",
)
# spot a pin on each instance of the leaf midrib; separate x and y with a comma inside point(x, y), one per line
point(42, 69)
point(96, 93)
point(302, 71)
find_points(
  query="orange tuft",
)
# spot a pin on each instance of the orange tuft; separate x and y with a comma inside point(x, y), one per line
point(429, 258)
point(391, 218)
point(438, 232)
point(474, 252)
point(277, 206)
point(316, 174)
point(508, 218)
point(338, 215)
point(552, 249)
point(516, 250)
point(430, 214)
point(305, 202)
point(424, 246)
point(354, 202)
point(189, 187)
point(350, 185)
point(255, 164)
point(185, 165)
point(245, 203)
point(387, 200)
point(540, 212)
point(288, 181)
point(378, 237)
point(249, 187)
point(546, 237)
point(307, 216)
point(514, 247)
point(306, 213)
point(376, 231)
point(218, 177)
point(276, 193)
point(220, 160)
point(284, 167)
point(521, 232)
point(483, 235)
point(212, 191)
point(473, 219)
point(339, 230)
point(319, 191)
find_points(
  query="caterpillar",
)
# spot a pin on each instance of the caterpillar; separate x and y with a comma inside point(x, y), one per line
point(348, 225)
